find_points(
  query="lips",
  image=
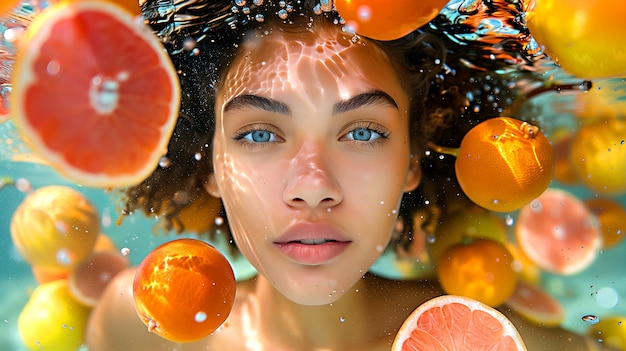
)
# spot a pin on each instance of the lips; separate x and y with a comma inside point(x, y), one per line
point(312, 243)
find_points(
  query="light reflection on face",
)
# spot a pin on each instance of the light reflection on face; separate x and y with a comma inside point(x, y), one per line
point(311, 156)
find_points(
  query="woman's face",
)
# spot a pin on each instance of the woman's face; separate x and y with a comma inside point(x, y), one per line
point(311, 156)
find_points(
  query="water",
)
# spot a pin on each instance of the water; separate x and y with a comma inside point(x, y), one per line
point(587, 297)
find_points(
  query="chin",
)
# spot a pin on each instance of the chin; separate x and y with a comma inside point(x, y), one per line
point(313, 288)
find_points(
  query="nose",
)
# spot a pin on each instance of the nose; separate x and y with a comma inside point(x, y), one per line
point(311, 182)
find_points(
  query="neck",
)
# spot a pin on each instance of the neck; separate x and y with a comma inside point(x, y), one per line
point(348, 323)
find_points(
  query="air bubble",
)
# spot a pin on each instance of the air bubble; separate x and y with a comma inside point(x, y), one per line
point(53, 68)
point(282, 14)
point(342, 319)
point(200, 317)
point(164, 162)
point(197, 156)
point(219, 221)
point(591, 319)
point(125, 251)
point(64, 257)
point(364, 13)
point(259, 18)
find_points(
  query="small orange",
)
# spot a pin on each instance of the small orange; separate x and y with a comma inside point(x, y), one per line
point(7, 5)
point(457, 323)
point(597, 156)
point(611, 217)
point(94, 93)
point(200, 215)
point(503, 163)
point(378, 20)
point(184, 290)
point(55, 227)
point(481, 269)
point(470, 223)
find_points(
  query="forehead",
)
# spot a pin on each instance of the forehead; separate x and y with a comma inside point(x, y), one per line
point(320, 63)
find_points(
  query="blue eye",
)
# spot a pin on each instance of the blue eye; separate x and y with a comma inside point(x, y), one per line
point(257, 136)
point(363, 134)
point(260, 136)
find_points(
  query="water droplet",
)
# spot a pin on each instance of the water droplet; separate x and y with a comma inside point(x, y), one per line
point(219, 220)
point(536, 206)
point(240, 2)
point(197, 156)
point(53, 68)
point(103, 94)
point(164, 162)
point(379, 248)
point(509, 220)
point(430, 238)
point(259, 18)
point(342, 319)
point(200, 317)
point(591, 319)
point(125, 251)
point(23, 185)
point(282, 14)
point(64, 257)
point(364, 13)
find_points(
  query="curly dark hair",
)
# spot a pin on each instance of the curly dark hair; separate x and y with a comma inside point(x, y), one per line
point(448, 97)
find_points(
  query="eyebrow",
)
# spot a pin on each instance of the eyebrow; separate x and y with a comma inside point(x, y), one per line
point(374, 97)
point(249, 101)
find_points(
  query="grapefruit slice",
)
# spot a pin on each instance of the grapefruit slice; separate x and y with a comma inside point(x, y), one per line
point(536, 305)
point(456, 323)
point(95, 93)
point(558, 233)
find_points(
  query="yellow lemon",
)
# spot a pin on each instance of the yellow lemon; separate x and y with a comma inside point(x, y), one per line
point(52, 319)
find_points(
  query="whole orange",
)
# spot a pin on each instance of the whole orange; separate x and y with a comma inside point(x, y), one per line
point(504, 163)
point(184, 290)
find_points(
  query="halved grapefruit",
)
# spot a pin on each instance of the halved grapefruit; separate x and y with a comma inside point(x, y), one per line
point(95, 93)
point(536, 305)
point(456, 323)
point(558, 233)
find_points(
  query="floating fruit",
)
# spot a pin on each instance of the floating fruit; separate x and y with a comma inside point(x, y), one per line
point(457, 323)
point(611, 217)
point(610, 331)
point(184, 290)
point(55, 227)
point(7, 5)
point(52, 319)
point(88, 279)
point(466, 224)
point(481, 269)
point(132, 6)
point(503, 163)
point(536, 305)
point(384, 20)
point(95, 93)
point(597, 155)
point(558, 233)
point(581, 35)
point(44, 275)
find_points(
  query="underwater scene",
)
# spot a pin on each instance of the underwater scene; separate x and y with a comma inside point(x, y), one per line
point(141, 144)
